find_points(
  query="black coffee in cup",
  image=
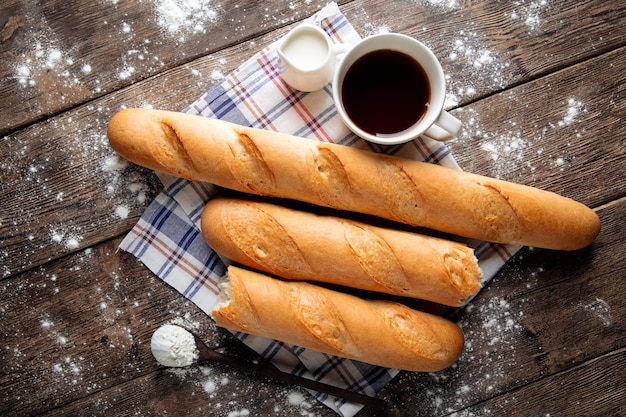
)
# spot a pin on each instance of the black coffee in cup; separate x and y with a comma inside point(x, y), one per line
point(385, 92)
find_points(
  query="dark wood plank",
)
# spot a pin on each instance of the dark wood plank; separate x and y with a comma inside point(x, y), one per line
point(77, 342)
point(83, 324)
point(563, 132)
point(64, 186)
point(592, 389)
point(78, 329)
point(55, 55)
point(538, 85)
point(202, 391)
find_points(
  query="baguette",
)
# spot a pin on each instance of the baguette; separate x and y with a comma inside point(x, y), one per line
point(382, 333)
point(416, 193)
point(300, 245)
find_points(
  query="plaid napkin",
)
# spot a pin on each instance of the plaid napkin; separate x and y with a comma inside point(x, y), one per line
point(167, 238)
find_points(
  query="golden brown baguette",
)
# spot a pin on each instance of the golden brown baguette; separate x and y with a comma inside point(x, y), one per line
point(296, 244)
point(416, 193)
point(382, 333)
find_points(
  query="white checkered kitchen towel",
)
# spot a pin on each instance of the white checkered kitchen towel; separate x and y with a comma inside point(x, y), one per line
point(167, 238)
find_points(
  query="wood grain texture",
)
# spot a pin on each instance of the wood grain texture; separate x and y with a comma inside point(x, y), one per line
point(36, 184)
point(93, 309)
point(538, 85)
point(70, 172)
point(47, 44)
point(83, 324)
point(562, 132)
point(591, 389)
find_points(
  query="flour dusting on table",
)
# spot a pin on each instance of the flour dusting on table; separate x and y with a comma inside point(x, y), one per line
point(479, 370)
point(45, 61)
point(530, 13)
point(515, 145)
point(600, 310)
point(448, 4)
point(178, 17)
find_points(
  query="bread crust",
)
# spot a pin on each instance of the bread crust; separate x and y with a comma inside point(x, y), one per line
point(382, 333)
point(412, 192)
point(296, 244)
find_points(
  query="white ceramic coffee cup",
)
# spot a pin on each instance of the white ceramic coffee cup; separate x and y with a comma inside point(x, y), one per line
point(435, 123)
point(307, 58)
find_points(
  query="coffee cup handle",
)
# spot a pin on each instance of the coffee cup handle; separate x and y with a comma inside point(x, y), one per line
point(445, 128)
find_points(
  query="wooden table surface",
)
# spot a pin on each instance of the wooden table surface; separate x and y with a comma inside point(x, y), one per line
point(539, 85)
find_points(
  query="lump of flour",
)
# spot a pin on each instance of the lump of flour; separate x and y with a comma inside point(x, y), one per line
point(174, 346)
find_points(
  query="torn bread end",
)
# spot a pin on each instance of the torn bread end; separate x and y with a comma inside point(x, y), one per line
point(223, 297)
point(482, 279)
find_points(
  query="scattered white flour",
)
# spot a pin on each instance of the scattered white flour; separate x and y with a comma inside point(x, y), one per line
point(513, 146)
point(122, 212)
point(48, 326)
point(53, 57)
point(212, 383)
point(57, 237)
point(69, 369)
point(189, 16)
point(72, 242)
point(216, 75)
point(139, 189)
point(530, 13)
point(174, 346)
point(301, 401)
point(506, 145)
point(574, 108)
point(239, 413)
point(479, 67)
point(500, 326)
point(69, 240)
point(185, 321)
point(126, 72)
point(115, 168)
point(23, 75)
point(369, 28)
point(499, 332)
point(44, 60)
point(115, 163)
point(448, 4)
point(468, 50)
point(209, 386)
point(296, 398)
point(601, 309)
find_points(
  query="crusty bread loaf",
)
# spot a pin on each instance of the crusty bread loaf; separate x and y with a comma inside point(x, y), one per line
point(296, 244)
point(382, 333)
point(416, 193)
